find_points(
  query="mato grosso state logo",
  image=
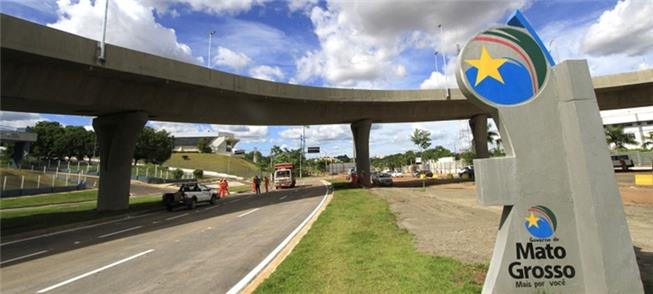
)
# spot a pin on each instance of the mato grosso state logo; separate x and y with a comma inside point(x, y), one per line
point(541, 222)
point(503, 66)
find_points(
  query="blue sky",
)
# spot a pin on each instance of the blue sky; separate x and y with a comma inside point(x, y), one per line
point(383, 44)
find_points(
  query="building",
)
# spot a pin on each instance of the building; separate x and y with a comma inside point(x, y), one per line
point(637, 121)
point(220, 142)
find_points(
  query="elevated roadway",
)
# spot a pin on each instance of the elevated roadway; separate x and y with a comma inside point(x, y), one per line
point(50, 71)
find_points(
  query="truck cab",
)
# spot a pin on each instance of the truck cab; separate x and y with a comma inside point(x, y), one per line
point(283, 175)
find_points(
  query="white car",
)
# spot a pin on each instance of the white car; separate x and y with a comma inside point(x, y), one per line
point(189, 195)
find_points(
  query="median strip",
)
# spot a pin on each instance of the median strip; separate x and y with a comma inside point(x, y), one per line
point(119, 232)
point(94, 271)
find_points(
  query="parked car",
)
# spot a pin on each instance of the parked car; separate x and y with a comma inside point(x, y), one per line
point(382, 179)
point(466, 172)
point(427, 173)
point(397, 174)
point(189, 195)
point(622, 161)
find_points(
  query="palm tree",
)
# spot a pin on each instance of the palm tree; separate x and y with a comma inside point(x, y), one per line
point(492, 136)
point(648, 140)
point(615, 135)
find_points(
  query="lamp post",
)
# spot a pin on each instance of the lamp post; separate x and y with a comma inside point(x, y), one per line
point(436, 62)
point(208, 62)
point(102, 58)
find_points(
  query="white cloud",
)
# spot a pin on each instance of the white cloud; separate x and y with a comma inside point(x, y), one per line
point(361, 40)
point(626, 29)
point(220, 7)
point(226, 57)
point(319, 134)
point(247, 134)
point(565, 39)
point(265, 72)
point(14, 120)
point(438, 81)
point(131, 24)
point(304, 5)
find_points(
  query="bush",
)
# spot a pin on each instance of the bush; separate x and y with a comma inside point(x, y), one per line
point(177, 174)
point(198, 173)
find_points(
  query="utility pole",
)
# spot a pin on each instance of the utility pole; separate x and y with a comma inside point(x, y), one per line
point(208, 62)
point(301, 152)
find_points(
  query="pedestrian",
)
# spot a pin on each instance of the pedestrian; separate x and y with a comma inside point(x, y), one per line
point(221, 188)
point(258, 185)
point(267, 183)
point(226, 187)
point(254, 184)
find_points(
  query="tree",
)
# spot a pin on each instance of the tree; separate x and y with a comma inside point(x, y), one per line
point(343, 158)
point(648, 141)
point(204, 145)
point(47, 133)
point(153, 146)
point(198, 173)
point(421, 138)
point(492, 136)
point(615, 135)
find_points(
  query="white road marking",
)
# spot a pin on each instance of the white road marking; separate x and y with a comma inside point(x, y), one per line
point(121, 231)
point(94, 271)
point(176, 216)
point(234, 201)
point(75, 229)
point(284, 197)
point(255, 272)
point(23, 257)
point(246, 213)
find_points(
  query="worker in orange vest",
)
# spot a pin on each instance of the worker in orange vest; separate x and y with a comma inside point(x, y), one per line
point(267, 183)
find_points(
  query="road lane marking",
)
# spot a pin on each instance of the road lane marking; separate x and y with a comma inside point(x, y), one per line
point(234, 201)
point(284, 197)
point(75, 229)
point(23, 257)
point(246, 213)
point(94, 271)
point(255, 272)
point(121, 231)
point(176, 216)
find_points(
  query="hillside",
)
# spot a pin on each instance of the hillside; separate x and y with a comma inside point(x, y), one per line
point(213, 162)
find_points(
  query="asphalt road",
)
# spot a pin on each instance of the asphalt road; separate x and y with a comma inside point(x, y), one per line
point(206, 250)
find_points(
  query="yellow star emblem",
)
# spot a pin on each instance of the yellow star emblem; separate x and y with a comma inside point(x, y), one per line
point(532, 220)
point(487, 66)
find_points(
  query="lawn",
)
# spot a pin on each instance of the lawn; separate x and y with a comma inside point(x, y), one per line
point(213, 162)
point(38, 216)
point(355, 246)
point(48, 199)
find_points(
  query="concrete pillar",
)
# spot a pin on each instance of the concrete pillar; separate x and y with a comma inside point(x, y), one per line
point(116, 134)
point(478, 124)
point(361, 133)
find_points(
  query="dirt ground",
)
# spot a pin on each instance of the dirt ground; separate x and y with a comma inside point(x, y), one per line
point(447, 220)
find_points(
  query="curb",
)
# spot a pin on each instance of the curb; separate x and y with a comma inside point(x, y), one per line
point(281, 256)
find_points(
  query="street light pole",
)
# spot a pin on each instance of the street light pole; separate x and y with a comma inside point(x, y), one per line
point(436, 62)
point(208, 62)
point(102, 58)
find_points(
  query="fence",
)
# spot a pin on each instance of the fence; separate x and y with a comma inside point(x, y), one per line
point(639, 158)
point(338, 168)
point(17, 182)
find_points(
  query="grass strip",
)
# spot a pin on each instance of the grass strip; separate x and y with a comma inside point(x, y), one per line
point(48, 199)
point(40, 217)
point(355, 246)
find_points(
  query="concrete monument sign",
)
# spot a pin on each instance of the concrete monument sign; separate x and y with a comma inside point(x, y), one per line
point(563, 228)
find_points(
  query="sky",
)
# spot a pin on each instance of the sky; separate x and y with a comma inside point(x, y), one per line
point(380, 44)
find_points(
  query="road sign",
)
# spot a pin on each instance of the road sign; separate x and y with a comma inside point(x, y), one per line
point(418, 160)
point(313, 150)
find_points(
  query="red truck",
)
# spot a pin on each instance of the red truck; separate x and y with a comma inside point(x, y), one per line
point(283, 175)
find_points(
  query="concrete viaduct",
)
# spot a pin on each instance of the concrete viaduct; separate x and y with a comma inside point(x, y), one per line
point(49, 71)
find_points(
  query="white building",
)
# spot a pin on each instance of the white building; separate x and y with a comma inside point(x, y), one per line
point(220, 142)
point(638, 121)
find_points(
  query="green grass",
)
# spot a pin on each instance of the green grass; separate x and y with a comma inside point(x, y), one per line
point(39, 217)
point(48, 199)
point(214, 162)
point(355, 246)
